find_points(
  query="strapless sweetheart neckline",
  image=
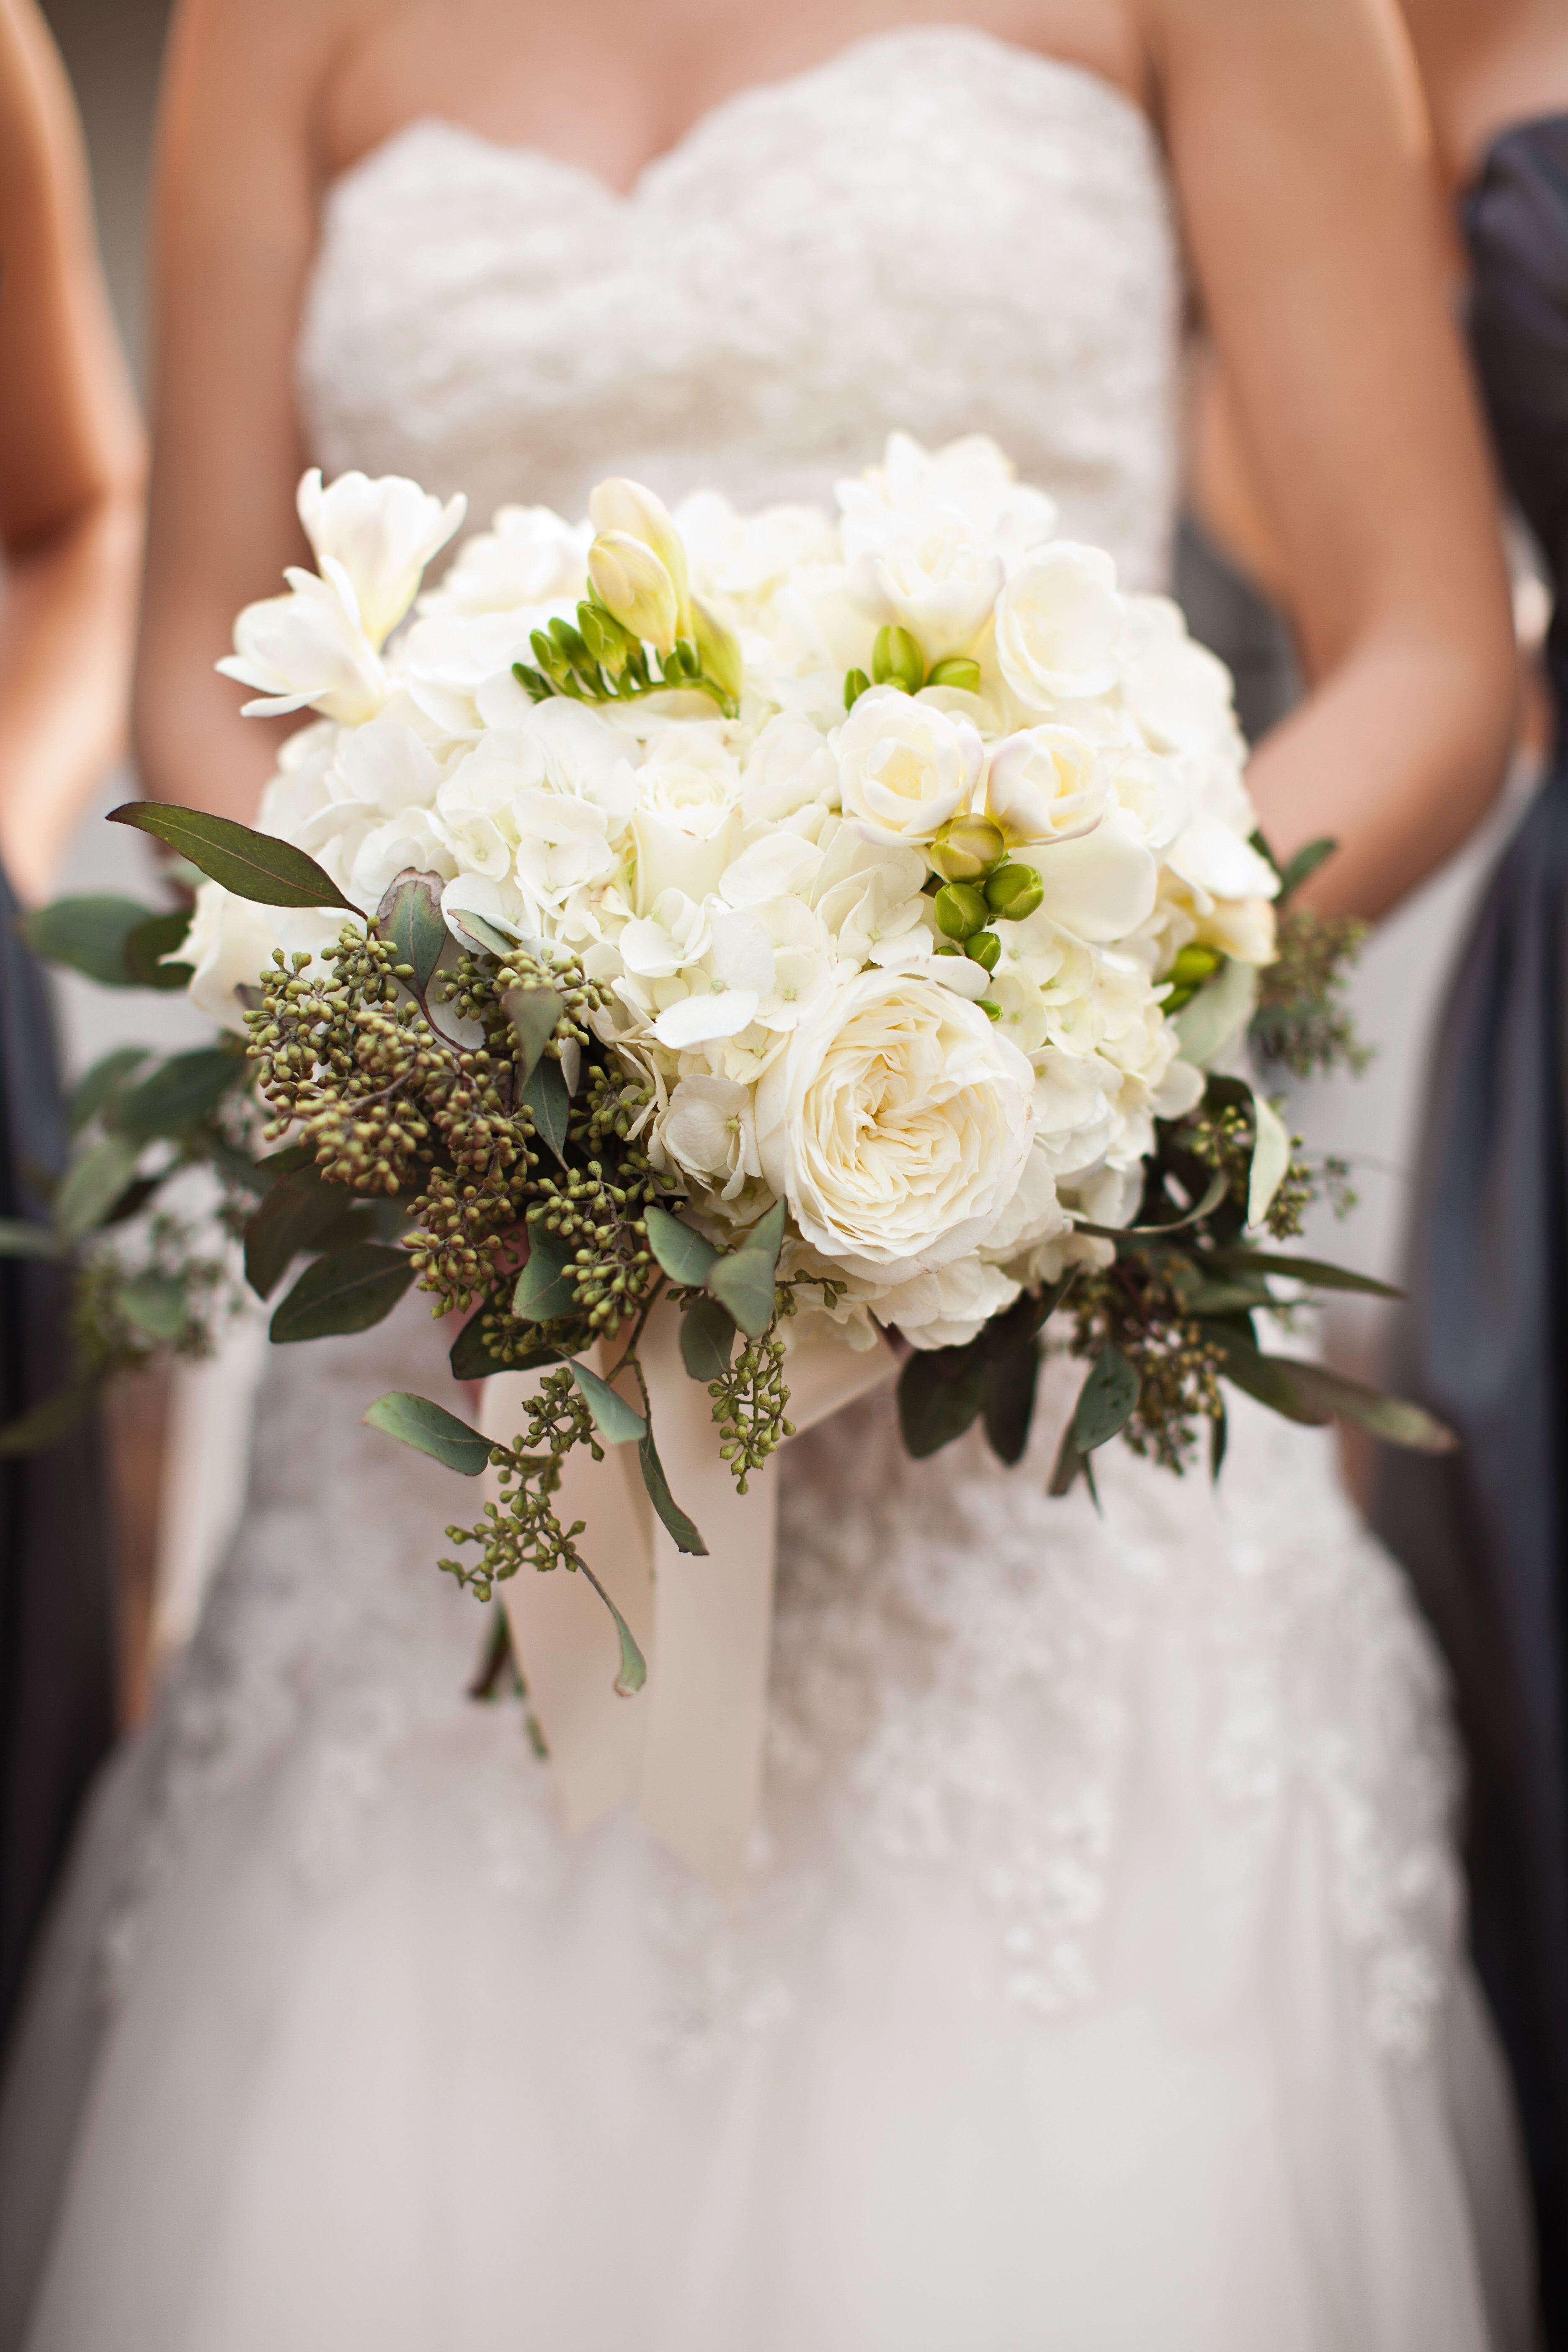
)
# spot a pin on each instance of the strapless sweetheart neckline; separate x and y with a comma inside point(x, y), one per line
point(788, 86)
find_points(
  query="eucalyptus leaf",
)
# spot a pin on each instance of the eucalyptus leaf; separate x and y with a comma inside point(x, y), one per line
point(1266, 1377)
point(429, 1429)
point(1106, 1401)
point(295, 1213)
point(1393, 1419)
point(1300, 869)
point(1270, 1158)
point(1010, 1385)
point(409, 919)
point(535, 1014)
point(938, 1403)
point(547, 1098)
point(1219, 1012)
point(707, 1338)
point(613, 1418)
point(545, 1288)
point(682, 1254)
point(156, 1304)
point(1219, 1438)
point(1213, 1194)
point(470, 1358)
point(686, 1534)
point(97, 1087)
point(182, 1090)
point(633, 1671)
point(1070, 1462)
point(150, 943)
point(1314, 1272)
point(46, 1423)
point(743, 1280)
point(94, 1182)
point(479, 934)
point(251, 865)
point(349, 1291)
point(19, 1239)
point(87, 935)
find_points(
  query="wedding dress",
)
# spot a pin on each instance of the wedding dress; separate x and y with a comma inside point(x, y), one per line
point(1094, 1982)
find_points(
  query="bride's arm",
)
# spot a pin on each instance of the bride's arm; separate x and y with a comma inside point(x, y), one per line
point(1297, 145)
point(237, 200)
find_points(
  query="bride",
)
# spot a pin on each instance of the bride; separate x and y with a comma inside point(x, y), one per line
point(1094, 1979)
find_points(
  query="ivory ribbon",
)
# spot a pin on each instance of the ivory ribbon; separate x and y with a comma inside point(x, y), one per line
point(688, 1749)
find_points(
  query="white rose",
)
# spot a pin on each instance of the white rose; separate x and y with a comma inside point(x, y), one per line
point(307, 648)
point(229, 946)
point(1047, 785)
point(374, 539)
point(790, 768)
point(896, 1123)
point(1058, 621)
point(529, 557)
point(969, 482)
point(947, 1306)
point(941, 583)
point(904, 767)
point(1181, 695)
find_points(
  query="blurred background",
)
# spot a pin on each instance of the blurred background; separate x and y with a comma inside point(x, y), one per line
point(181, 1447)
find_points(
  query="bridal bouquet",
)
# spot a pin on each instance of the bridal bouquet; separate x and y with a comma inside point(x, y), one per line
point(807, 923)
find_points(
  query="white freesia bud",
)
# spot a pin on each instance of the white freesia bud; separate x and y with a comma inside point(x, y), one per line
point(897, 1123)
point(1047, 785)
point(380, 535)
point(1058, 621)
point(904, 767)
point(306, 649)
point(622, 506)
point(634, 585)
point(721, 651)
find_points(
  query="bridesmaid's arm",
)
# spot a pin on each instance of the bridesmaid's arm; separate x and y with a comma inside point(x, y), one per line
point(237, 204)
point(1298, 143)
point(71, 472)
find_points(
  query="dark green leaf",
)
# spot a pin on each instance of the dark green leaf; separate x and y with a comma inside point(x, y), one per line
point(409, 919)
point(613, 1418)
point(94, 1182)
point(545, 1288)
point(430, 1429)
point(684, 1255)
point(1214, 1193)
point(150, 943)
point(1105, 1402)
point(1266, 1377)
point(132, 1201)
point(19, 1239)
point(347, 1292)
point(743, 1280)
point(252, 865)
point(534, 1015)
point(1219, 1438)
point(156, 1304)
point(707, 1338)
point(1313, 1272)
point(937, 1400)
point(183, 1090)
point(547, 1098)
point(293, 1215)
point(687, 1537)
point(470, 1358)
point(1071, 1464)
point(1393, 1419)
point(1304, 865)
point(633, 1672)
point(88, 935)
point(1009, 1406)
point(48, 1422)
point(99, 1085)
point(1200, 1295)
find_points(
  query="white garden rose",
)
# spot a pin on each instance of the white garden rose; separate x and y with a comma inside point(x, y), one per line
point(941, 583)
point(905, 767)
point(896, 1123)
point(969, 482)
point(685, 823)
point(1059, 623)
point(374, 539)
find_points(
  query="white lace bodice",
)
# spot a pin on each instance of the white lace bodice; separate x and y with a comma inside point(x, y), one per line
point(932, 231)
point(937, 232)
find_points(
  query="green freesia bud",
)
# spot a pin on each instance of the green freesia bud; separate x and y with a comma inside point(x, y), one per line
point(620, 505)
point(856, 684)
point(606, 641)
point(992, 1010)
point(1014, 891)
point(634, 588)
point(548, 656)
point(897, 660)
point(984, 949)
point(960, 909)
point(956, 669)
point(1194, 965)
point(719, 651)
point(966, 849)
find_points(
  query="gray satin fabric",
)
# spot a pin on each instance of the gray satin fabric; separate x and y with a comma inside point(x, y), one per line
point(1484, 1532)
point(56, 1648)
